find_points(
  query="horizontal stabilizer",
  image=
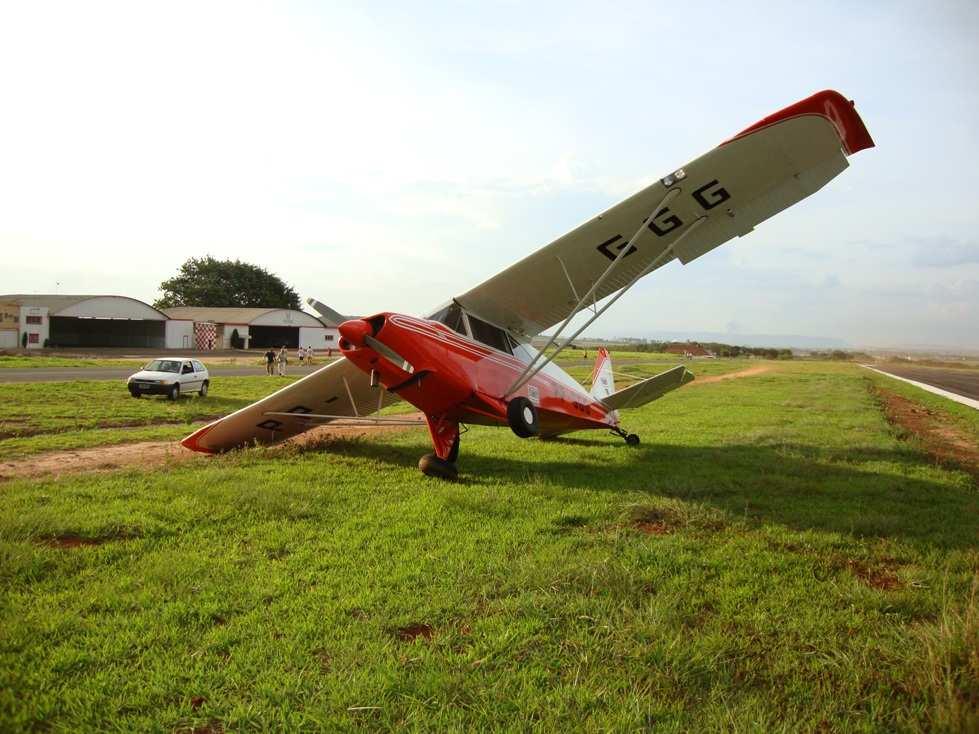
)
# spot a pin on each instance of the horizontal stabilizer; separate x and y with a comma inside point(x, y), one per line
point(648, 390)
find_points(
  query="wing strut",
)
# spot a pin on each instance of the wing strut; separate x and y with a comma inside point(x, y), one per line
point(533, 368)
point(526, 374)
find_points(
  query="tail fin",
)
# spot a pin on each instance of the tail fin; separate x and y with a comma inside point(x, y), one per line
point(602, 381)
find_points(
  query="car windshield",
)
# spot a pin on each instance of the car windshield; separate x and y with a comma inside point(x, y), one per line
point(163, 365)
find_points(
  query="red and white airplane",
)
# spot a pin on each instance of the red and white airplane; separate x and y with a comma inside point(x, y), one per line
point(471, 362)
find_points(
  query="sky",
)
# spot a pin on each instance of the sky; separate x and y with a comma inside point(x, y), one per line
point(389, 156)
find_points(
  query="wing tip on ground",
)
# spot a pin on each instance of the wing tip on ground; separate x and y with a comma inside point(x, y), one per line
point(193, 441)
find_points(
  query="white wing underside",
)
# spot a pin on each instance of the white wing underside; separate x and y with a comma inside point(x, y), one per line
point(333, 393)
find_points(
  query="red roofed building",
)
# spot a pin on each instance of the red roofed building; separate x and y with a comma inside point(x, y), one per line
point(687, 349)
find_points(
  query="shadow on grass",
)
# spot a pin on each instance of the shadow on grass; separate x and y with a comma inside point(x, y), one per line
point(798, 486)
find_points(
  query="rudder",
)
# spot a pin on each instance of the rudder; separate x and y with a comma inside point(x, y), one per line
point(602, 381)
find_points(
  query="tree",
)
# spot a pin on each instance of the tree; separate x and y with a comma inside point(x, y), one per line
point(205, 281)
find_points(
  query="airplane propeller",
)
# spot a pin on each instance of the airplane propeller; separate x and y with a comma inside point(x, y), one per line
point(385, 351)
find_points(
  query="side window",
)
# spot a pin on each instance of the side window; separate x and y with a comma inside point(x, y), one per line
point(187, 369)
point(198, 367)
point(490, 335)
point(451, 316)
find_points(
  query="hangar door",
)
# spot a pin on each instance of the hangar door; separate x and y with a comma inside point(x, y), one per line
point(273, 336)
point(68, 331)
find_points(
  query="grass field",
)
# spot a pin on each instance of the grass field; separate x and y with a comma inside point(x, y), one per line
point(32, 361)
point(775, 556)
point(44, 416)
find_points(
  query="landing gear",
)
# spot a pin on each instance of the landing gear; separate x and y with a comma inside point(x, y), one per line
point(522, 416)
point(445, 439)
point(433, 466)
point(631, 439)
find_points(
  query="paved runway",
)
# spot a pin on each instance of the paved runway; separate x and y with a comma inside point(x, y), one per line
point(961, 382)
point(69, 374)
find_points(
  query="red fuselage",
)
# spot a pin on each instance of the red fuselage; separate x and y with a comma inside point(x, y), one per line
point(464, 381)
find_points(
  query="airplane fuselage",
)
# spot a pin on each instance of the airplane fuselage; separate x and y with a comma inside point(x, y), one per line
point(462, 380)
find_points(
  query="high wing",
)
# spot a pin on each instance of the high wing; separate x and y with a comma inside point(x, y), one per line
point(756, 174)
point(333, 392)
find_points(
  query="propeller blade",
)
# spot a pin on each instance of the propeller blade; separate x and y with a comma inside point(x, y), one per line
point(385, 351)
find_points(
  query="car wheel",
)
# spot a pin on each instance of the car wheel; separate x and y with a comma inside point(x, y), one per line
point(136, 393)
point(203, 390)
point(175, 392)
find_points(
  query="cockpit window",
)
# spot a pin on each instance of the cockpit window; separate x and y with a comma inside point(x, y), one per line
point(451, 316)
point(490, 335)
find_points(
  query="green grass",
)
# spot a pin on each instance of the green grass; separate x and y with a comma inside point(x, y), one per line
point(22, 362)
point(804, 570)
point(42, 416)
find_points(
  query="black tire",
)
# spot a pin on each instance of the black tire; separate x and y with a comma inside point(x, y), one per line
point(174, 393)
point(136, 393)
point(522, 416)
point(203, 391)
point(433, 466)
point(632, 439)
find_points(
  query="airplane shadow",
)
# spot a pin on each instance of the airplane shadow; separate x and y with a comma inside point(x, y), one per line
point(799, 486)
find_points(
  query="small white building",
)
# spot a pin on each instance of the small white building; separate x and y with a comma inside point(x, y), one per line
point(207, 327)
point(40, 320)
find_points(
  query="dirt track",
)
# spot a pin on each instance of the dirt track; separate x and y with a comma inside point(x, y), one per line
point(155, 454)
point(750, 372)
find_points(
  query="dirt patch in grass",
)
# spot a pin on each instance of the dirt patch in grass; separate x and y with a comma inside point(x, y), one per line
point(876, 577)
point(154, 454)
point(941, 439)
point(652, 520)
point(651, 528)
point(147, 454)
point(413, 631)
point(65, 542)
point(750, 372)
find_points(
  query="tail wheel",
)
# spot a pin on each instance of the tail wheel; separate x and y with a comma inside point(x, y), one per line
point(175, 391)
point(632, 439)
point(433, 466)
point(522, 416)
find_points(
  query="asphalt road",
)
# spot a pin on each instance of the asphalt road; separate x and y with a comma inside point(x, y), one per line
point(69, 374)
point(961, 382)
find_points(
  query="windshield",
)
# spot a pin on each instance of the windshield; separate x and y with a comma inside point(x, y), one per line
point(163, 365)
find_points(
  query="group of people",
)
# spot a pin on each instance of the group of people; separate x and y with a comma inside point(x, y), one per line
point(276, 361)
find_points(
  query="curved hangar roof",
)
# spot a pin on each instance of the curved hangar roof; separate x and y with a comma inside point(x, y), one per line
point(93, 307)
point(247, 316)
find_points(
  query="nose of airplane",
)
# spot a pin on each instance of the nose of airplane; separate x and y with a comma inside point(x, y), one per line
point(354, 331)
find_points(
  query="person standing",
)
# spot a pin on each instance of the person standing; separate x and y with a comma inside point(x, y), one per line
point(301, 354)
point(270, 361)
point(283, 359)
point(309, 354)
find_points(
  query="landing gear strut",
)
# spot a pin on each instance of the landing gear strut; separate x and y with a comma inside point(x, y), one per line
point(445, 438)
point(631, 439)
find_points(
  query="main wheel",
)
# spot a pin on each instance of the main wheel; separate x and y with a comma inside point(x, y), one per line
point(433, 466)
point(203, 391)
point(175, 392)
point(632, 439)
point(522, 416)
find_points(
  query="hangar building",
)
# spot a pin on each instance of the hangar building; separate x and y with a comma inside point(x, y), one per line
point(80, 321)
point(204, 326)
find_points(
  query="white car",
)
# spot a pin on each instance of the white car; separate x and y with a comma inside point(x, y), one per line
point(170, 376)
